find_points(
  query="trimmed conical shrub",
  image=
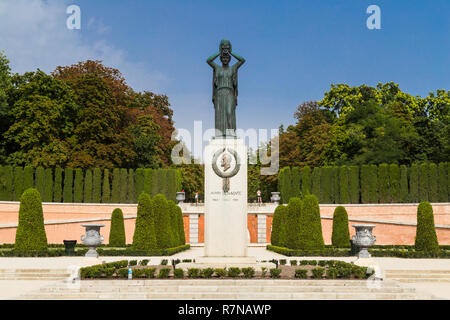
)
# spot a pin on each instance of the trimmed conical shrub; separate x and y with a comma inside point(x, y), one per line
point(278, 236)
point(340, 236)
point(58, 186)
point(180, 224)
point(162, 221)
point(115, 190)
point(394, 183)
point(433, 195)
point(414, 183)
point(306, 180)
point(48, 185)
point(117, 231)
point(106, 189)
point(173, 232)
point(6, 183)
point(87, 190)
point(310, 237)
point(28, 177)
point(130, 190)
point(353, 184)
point(68, 183)
point(293, 223)
point(30, 234)
point(78, 186)
point(144, 237)
point(39, 180)
point(18, 183)
point(426, 239)
point(97, 186)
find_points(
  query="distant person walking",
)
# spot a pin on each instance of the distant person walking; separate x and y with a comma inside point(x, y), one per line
point(258, 193)
point(196, 197)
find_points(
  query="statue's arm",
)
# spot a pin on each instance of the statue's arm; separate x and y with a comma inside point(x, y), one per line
point(211, 59)
point(240, 60)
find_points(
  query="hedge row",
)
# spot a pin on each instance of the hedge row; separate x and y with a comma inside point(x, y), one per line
point(385, 183)
point(88, 186)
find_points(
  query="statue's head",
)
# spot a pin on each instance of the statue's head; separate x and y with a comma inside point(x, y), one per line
point(225, 50)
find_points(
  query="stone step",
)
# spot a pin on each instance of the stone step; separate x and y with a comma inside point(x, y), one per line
point(412, 280)
point(417, 271)
point(416, 276)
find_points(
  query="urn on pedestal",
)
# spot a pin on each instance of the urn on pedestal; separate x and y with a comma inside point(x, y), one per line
point(363, 239)
point(180, 197)
point(275, 198)
point(92, 238)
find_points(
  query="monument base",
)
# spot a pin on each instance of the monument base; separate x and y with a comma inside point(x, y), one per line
point(226, 262)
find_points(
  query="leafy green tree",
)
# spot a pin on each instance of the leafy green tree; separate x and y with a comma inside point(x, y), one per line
point(414, 183)
point(340, 236)
point(68, 184)
point(5, 114)
point(97, 186)
point(18, 183)
point(433, 195)
point(117, 230)
point(57, 191)
point(6, 183)
point(426, 238)
point(147, 138)
point(144, 237)
point(394, 183)
point(278, 236)
point(423, 182)
point(162, 221)
point(306, 180)
point(310, 237)
point(443, 182)
point(293, 223)
point(106, 188)
point(78, 186)
point(353, 184)
point(87, 195)
point(343, 185)
point(30, 234)
point(48, 185)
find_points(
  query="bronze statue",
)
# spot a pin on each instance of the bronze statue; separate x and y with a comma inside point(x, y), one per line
point(225, 89)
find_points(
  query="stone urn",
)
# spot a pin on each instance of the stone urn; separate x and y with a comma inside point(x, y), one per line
point(275, 198)
point(180, 197)
point(363, 239)
point(92, 238)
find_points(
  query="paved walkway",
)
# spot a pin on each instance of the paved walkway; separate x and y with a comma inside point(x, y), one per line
point(12, 288)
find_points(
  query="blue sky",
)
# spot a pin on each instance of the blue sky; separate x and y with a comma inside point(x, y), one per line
point(294, 49)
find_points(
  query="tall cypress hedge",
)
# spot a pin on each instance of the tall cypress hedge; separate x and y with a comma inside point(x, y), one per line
point(311, 237)
point(179, 180)
point(139, 181)
point(306, 180)
point(148, 177)
point(414, 183)
point(39, 180)
point(144, 237)
point(171, 185)
point(336, 194)
point(423, 182)
point(293, 223)
point(340, 236)
point(295, 182)
point(48, 185)
point(106, 189)
point(123, 185)
point(18, 183)
point(353, 184)
point(131, 192)
point(278, 235)
point(78, 186)
point(28, 177)
point(163, 183)
point(115, 189)
point(443, 182)
point(6, 183)
point(87, 190)
point(30, 234)
point(284, 184)
point(433, 195)
point(117, 229)
point(394, 183)
point(344, 196)
point(58, 186)
point(426, 238)
point(162, 221)
point(173, 227)
point(315, 188)
point(326, 185)
point(383, 183)
point(404, 192)
point(365, 185)
point(68, 183)
point(97, 186)
point(373, 184)
point(153, 182)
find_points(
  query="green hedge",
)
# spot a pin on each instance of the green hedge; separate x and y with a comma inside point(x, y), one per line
point(57, 190)
point(87, 190)
point(162, 221)
point(340, 236)
point(78, 186)
point(97, 186)
point(106, 187)
point(278, 235)
point(426, 239)
point(386, 183)
point(18, 183)
point(30, 234)
point(293, 226)
point(48, 186)
point(115, 190)
point(6, 183)
point(68, 184)
point(131, 192)
point(117, 230)
point(144, 237)
point(310, 236)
